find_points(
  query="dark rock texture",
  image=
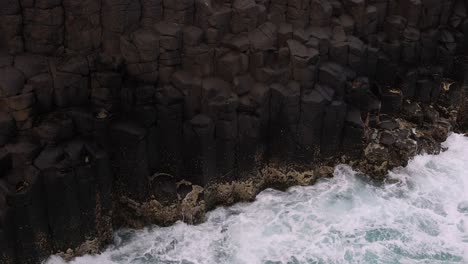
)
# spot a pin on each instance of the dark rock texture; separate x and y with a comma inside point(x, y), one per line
point(111, 109)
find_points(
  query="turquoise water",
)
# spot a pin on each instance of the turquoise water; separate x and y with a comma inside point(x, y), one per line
point(421, 218)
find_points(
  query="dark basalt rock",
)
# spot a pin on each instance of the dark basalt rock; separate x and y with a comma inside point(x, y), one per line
point(129, 142)
point(12, 81)
point(111, 111)
point(200, 153)
point(353, 139)
point(7, 128)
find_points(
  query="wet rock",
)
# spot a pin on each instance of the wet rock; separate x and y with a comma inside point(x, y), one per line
point(388, 123)
point(407, 147)
point(164, 187)
point(430, 114)
point(440, 130)
point(413, 111)
point(387, 138)
point(376, 153)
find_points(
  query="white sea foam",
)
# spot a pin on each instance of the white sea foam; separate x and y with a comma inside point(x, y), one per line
point(422, 218)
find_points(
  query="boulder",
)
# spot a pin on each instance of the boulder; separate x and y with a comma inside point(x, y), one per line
point(413, 111)
point(376, 153)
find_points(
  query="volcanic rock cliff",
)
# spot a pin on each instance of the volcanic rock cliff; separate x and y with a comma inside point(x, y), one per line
point(131, 112)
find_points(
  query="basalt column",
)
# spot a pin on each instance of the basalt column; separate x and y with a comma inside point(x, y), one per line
point(141, 108)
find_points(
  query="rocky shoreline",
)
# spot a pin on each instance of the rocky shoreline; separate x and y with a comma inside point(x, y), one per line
point(124, 113)
point(391, 146)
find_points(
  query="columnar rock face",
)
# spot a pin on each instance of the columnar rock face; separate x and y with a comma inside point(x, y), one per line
point(99, 98)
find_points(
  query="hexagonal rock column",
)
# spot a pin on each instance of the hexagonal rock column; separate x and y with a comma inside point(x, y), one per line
point(284, 119)
point(200, 149)
point(130, 157)
point(43, 26)
point(28, 216)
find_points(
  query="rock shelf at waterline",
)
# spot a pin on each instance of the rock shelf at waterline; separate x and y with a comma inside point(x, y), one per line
point(421, 217)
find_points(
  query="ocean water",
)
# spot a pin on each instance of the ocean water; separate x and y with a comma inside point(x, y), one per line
point(421, 217)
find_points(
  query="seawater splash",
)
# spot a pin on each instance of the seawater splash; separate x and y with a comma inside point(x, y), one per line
point(421, 218)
